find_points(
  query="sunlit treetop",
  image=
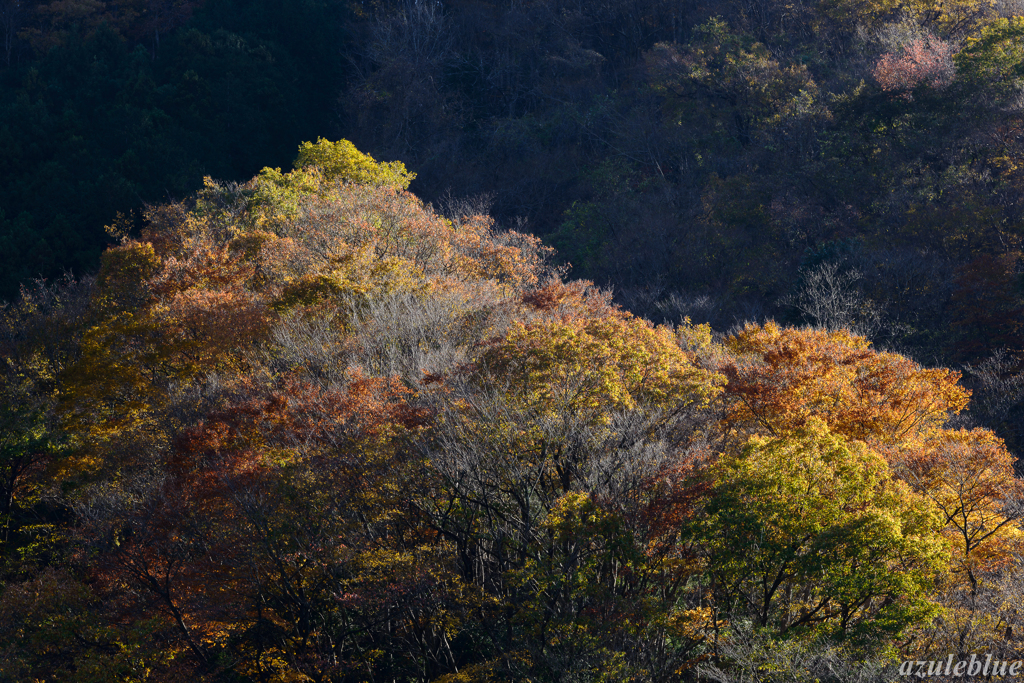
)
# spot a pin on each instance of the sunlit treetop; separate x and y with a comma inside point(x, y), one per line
point(782, 377)
point(207, 280)
point(342, 161)
point(593, 366)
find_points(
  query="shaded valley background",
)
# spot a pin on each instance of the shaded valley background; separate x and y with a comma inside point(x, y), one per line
point(107, 106)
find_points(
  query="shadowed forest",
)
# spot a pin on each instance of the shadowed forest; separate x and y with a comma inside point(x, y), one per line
point(627, 340)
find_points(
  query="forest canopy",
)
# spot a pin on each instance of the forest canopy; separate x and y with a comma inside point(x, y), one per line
point(307, 428)
point(684, 342)
point(842, 164)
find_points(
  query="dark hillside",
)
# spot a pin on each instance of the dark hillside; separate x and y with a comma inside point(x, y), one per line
point(106, 106)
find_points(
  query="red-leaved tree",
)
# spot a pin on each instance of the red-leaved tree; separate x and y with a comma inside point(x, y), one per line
point(924, 61)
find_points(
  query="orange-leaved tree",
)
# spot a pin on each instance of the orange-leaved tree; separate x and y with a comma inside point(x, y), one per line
point(782, 377)
point(969, 476)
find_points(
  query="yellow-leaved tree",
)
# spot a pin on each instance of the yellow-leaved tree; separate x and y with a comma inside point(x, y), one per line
point(810, 534)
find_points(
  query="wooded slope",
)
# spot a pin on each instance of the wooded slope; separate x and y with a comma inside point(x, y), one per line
point(307, 429)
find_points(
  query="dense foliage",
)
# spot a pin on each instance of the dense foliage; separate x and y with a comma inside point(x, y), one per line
point(302, 425)
point(837, 163)
point(840, 163)
point(305, 428)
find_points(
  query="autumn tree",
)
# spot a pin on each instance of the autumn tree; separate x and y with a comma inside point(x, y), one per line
point(810, 533)
point(927, 62)
point(989, 66)
point(552, 464)
point(342, 161)
point(969, 476)
point(259, 483)
point(39, 339)
point(268, 537)
point(783, 377)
